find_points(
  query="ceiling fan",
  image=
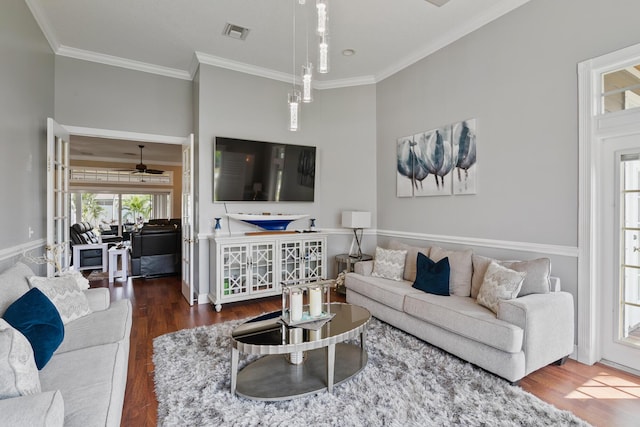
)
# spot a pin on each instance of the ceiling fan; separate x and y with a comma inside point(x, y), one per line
point(142, 168)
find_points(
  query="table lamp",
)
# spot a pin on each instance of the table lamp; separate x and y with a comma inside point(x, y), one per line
point(358, 220)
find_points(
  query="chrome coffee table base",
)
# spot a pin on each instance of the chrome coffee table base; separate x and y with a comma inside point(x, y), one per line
point(274, 378)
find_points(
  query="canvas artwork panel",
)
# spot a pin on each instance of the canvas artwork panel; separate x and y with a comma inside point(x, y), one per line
point(405, 167)
point(465, 155)
point(438, 162)
point(434, 161)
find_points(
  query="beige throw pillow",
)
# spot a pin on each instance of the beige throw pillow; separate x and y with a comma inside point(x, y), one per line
point(461, 269)
point(410, 266)
point(18, 371)
point(500, 283)
point(389, 263)
point(65, 295)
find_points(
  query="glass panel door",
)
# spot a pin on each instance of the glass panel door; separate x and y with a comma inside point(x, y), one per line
point(628, 329)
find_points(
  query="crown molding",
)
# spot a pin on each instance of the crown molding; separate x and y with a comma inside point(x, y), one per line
point(116, 61)
point(455, 34)
point(44, 24)
point(491, 14)
point(216, 61)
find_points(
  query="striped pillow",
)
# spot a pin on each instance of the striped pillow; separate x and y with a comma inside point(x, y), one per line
point(389, 263)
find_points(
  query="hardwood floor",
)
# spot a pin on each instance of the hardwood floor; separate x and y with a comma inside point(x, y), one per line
point(599, 394)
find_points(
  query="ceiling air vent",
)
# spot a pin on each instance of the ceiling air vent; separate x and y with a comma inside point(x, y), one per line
point(235, 31)
point(438, 2)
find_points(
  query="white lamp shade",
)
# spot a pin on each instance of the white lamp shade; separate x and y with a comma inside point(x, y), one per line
point(356, 219)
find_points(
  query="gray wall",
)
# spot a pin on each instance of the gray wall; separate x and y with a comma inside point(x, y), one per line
point(101, 96)
point(340, 123)
point(518, 77)
point(26, 85)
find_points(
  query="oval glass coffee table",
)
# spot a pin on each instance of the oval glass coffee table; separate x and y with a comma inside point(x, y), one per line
point(297, 362)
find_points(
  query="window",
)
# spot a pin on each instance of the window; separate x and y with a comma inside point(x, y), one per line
point(621, 89)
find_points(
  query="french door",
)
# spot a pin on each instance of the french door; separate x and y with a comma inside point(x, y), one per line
point(58, 198)
point(188, 238)
point(620, 288)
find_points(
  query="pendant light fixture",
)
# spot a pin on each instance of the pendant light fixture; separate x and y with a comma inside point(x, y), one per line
point(307, 69)
point(293, 97)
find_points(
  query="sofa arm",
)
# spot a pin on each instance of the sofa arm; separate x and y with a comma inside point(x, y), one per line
point(547, 321)
point(99, 298)
point(363, 267)
point(44, 409)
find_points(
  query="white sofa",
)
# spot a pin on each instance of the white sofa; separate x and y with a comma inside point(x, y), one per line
point(84, 382)
point(527, 332)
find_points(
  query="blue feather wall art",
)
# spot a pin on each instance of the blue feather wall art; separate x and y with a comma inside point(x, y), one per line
point(439, 162)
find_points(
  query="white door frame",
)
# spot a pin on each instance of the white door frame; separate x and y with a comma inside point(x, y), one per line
point(594, 129)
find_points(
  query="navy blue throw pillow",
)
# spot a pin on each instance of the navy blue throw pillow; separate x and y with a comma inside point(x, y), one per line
point(35, 316)
point(432, 277)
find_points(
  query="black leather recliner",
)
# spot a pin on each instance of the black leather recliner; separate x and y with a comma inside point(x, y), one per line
point(87, 249)
point(156, 250)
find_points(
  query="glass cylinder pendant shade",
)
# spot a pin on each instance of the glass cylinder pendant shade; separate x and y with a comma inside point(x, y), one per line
point(323, 55)
point(294, 110)
point(321, 5)
point(307, 77)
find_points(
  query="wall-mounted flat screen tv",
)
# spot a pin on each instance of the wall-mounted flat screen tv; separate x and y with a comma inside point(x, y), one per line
point(247, 170)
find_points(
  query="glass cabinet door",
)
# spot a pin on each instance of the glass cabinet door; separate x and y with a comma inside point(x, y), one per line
point(262, 267)
point(290, 261)
point(313, 259)
point(234, 270)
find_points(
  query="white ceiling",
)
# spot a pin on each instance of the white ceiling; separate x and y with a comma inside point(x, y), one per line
point(163, 36)
point(116, 150)
point(170, 37)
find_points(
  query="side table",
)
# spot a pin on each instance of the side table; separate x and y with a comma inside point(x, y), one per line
point(123, 272)
point(346, 262)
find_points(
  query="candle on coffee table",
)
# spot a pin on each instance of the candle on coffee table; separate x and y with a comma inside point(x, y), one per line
point(295, 306)
point(315, 302)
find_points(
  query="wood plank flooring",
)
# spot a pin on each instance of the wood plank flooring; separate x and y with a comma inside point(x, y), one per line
point(599, 394)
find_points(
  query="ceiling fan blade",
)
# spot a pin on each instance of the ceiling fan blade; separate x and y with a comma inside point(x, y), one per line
point(154, 171)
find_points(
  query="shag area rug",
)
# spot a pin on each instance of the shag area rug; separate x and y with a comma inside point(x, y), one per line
point(407, 382)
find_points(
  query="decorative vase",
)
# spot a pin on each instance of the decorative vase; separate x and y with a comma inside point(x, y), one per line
point(217, 229)
point(312, 224)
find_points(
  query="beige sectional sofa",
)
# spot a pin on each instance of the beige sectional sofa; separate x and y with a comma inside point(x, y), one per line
point(527, 332)
point(84, 382)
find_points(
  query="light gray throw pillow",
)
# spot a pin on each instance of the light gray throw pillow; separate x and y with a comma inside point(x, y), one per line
point(500, 283)
point(65, 295)
point(389, 264)
point(537, 280)
point(18, 371)
point(410, 264)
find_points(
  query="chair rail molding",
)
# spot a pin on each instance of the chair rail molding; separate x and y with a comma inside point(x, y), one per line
point(20, 249)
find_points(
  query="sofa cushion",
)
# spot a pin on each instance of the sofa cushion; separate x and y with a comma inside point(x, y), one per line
point(387, 292)
point(35, 316)
point(44, 409)
point(461, 269)
point(464, 317)
point(13, 284)
point(18, 371)
point(500, 283)
point(389, 263)
point(91, 381)
point(410, 263)
point(65, 294)
point(100, 327)
point(537, 281)
point(432, 277)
